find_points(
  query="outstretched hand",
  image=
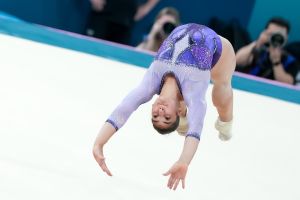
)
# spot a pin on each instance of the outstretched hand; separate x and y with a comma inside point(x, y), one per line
point(177, 173)
point(99, 157)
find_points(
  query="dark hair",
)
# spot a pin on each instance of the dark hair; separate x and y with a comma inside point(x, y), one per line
point(280, 22)
point(170, 129)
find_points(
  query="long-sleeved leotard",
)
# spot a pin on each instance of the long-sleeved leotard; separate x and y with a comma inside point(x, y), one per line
point(188, 53)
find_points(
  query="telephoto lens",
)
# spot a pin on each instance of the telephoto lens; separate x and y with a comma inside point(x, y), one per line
point(168, 27)
point(277, 40)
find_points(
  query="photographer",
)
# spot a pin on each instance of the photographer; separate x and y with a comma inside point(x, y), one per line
point(165, 22)
point(266, 57)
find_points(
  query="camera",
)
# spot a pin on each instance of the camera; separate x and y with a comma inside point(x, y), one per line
point(168, 27)
point(277, 40)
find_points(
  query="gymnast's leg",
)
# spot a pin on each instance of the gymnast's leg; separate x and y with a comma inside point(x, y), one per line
point(222, 95)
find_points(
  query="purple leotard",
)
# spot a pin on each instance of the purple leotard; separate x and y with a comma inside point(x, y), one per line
point(188, 53)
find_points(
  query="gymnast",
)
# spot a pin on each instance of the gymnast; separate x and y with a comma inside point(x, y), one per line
point(188, 59)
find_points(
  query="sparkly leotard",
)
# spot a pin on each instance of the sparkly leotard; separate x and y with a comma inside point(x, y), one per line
point(188, 53)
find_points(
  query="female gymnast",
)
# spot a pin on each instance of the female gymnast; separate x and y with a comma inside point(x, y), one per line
point(188, 59)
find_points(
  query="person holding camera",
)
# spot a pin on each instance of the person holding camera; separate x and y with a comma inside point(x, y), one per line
point(166, 21)
point(266, 57)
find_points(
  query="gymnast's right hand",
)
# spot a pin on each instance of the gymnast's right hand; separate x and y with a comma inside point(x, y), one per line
point(99, 157)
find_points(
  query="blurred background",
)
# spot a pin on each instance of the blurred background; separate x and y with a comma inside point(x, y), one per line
point(71, 15)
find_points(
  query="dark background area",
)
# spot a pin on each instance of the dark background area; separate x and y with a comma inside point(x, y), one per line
point(71, 15)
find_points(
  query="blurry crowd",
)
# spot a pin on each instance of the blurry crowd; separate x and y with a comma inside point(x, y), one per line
point(269, 56)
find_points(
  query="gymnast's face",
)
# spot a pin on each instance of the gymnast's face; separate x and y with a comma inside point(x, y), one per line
point(164, 112)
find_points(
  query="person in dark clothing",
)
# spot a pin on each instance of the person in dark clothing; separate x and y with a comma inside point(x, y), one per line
point(266, 56)
point(113, 19)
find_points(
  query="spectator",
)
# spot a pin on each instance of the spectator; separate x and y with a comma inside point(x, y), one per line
point(166, 20)
point(266, 57)
point(113, 19)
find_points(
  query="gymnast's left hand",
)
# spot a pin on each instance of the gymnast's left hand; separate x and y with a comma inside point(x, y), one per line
point(177, 173)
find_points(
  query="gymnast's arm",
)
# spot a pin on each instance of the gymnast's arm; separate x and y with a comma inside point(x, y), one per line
point(194, 96)
point(141, 94)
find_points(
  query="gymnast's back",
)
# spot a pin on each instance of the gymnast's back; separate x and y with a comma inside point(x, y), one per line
point(191, 45)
